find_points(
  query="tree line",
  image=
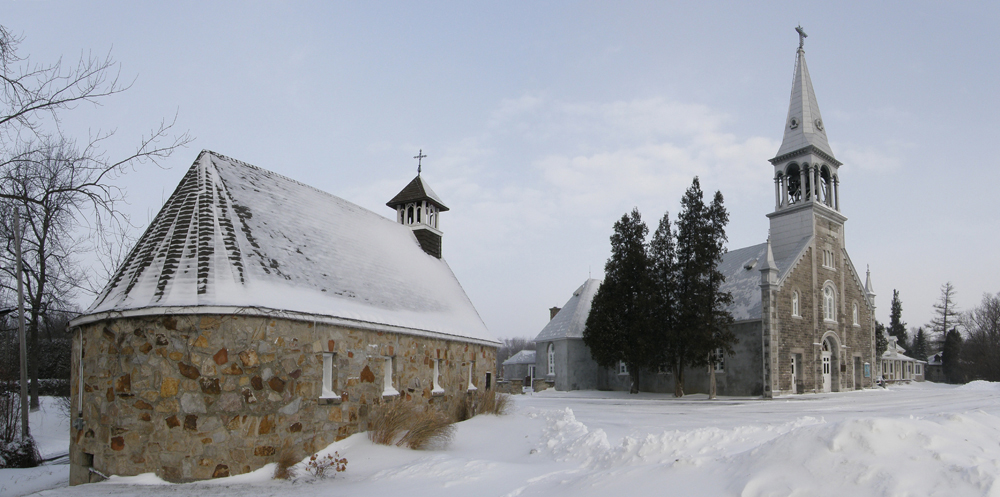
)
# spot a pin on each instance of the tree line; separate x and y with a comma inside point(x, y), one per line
point(661, 306)
point(968, 342)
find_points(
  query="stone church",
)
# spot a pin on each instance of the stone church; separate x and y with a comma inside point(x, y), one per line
point(259, 317)
point(804, 314)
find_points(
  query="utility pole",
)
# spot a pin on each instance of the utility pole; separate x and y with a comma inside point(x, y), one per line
point(20, 328)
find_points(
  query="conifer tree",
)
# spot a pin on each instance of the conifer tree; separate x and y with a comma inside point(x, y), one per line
point(702, 323)
point(945, 314)
point(618, 327)
point(919, 345)
point(897, 327)
point(881, 342)
point(663, 266)
point(951, 355)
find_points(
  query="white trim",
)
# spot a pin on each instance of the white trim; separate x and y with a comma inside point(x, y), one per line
point(387, 389)
point(272, 313)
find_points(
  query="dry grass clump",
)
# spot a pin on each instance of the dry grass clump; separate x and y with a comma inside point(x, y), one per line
point(401, 423)
point(482, 402)
point(388, 420)
point(492, 402)
point(430, 429)
point(284, 471)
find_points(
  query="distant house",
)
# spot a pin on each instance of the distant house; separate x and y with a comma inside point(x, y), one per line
point(897, 366)
point(259, 317)
point(935, 368)
point(804, 314)
point(520, 366)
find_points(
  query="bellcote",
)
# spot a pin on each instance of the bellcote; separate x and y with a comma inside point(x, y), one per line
point(418, 207)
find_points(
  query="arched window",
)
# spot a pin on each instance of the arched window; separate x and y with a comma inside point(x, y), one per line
point(795, 303)
point(857, 322)
point(829, 304)
point(552, 359)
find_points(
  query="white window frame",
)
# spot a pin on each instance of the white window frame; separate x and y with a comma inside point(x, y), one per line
point(436, 388)
point(472, 367)
point(551, 356)
point(328, 368)
point(388, 390)
point(622, 368)
point(795, 303)
point(855, 315)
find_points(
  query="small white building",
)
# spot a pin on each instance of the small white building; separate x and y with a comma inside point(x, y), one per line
point(897, 366)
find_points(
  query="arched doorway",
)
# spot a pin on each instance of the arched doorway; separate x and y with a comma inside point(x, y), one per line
point(829, 364)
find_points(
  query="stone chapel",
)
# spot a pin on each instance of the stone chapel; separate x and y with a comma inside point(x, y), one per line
point(259, 317)
point(804, 314)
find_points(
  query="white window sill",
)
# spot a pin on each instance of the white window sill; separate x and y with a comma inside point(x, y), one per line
point(437, 392)
point(330, 401)
point(390, 392)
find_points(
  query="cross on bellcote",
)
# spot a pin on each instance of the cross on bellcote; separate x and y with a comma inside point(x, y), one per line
point(420, 156)
point(802, 36)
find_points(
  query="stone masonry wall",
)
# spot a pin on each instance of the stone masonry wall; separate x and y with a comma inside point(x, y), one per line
point(803, 334)
point(195, 397)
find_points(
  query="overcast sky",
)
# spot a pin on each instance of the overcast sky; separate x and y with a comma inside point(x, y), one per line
point(544, 122)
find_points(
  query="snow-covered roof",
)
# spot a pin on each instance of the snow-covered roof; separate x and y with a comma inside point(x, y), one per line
point(233, 235)
point(570, 321)
point(741, 269)
point(522, 357)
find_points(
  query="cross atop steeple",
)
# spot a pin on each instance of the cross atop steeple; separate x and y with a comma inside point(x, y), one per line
point(802, 36)
point(420, 156)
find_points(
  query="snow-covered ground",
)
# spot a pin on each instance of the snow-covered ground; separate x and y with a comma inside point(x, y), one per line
point(921, 439)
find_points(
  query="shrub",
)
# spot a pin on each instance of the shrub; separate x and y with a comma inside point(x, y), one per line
point(322, 467)
point(17, 454)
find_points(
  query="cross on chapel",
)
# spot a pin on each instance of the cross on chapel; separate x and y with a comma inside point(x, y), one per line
point(420, 156)
point(802, 36)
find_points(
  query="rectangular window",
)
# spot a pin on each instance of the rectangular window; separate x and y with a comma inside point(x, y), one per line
point(387, 388)
point(719, 360)
point(436, 379)
point(622, 367)
point(918, 369)
point(329, 376)
point(472, 369)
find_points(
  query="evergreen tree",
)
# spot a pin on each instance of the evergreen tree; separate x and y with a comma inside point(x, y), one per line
point(945, 314)
point(897, 327)
point(663, 266)
point(617, 328)
point(702, 323)
point(881, 342)
point(919, 345)
point(951, 357)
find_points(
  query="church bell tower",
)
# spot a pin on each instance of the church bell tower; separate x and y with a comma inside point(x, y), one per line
point(806, 174)
point(418, 207)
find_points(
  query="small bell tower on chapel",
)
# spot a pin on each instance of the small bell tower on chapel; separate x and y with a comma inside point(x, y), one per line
point(418, 207)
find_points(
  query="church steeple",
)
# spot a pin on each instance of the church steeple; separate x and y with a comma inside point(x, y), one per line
point(806, 173)
point(418, 207)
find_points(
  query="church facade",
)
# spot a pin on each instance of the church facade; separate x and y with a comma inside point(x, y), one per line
point(259, 318)
point(804, 314)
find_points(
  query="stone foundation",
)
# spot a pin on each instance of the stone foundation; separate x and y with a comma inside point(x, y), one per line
point(203, 396)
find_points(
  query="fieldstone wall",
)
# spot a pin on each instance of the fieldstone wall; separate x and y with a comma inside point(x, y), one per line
point(201, 396)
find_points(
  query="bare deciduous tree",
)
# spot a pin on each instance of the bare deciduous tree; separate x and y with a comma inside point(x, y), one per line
point(64, 189)
point(982, 347)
